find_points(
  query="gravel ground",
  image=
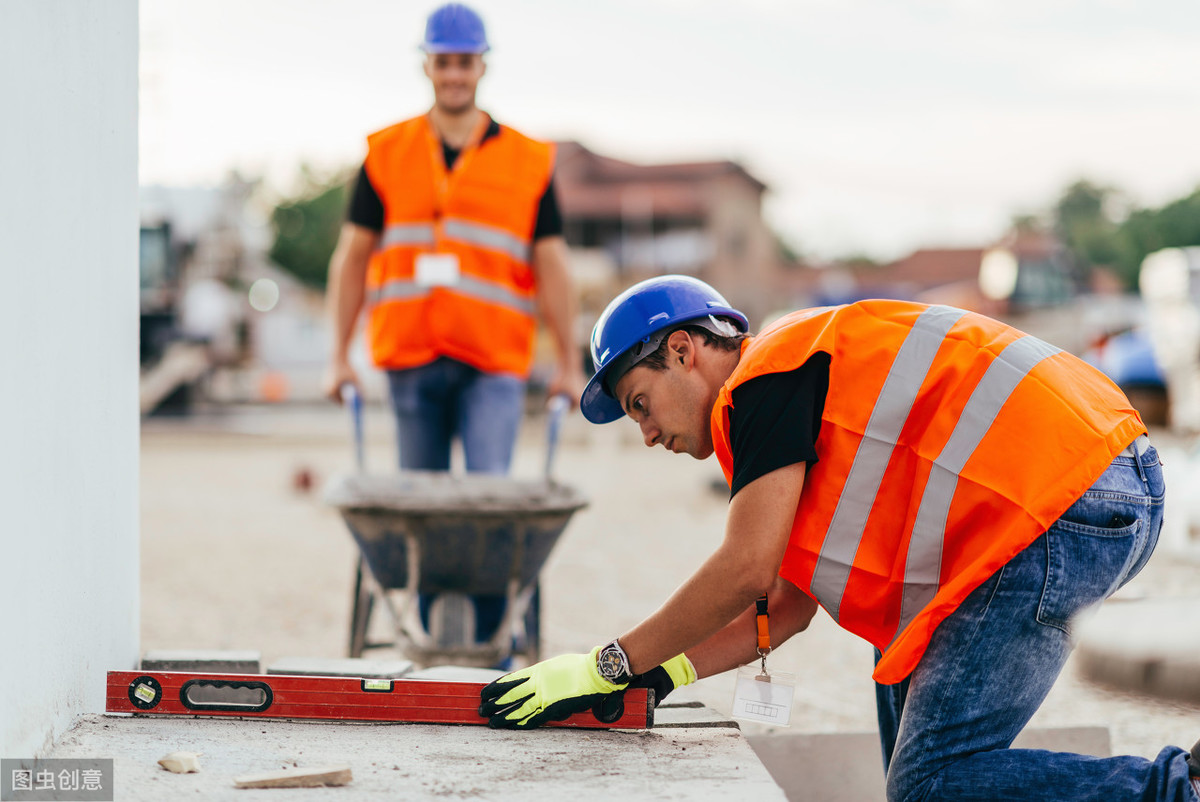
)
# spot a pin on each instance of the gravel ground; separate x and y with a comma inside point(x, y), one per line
point(240, 552)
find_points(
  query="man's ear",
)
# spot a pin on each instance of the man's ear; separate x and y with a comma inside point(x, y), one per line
point(681, 349)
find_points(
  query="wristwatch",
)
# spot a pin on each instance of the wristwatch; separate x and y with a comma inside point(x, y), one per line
point(613, 664)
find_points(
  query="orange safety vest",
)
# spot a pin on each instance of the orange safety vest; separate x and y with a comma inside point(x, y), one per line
point(483, 211)
point(949, 442)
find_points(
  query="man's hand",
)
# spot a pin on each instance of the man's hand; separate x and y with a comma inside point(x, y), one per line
point(551, 690)
point(567, 382)
point(338, 372)
point(675, 673)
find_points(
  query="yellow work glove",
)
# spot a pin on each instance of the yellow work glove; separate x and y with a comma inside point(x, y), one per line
point(675, 673)
point(551, 690)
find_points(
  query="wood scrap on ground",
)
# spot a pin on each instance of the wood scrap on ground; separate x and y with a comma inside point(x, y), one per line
point(296, 778)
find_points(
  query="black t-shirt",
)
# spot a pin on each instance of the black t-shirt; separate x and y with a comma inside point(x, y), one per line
point(366, 208)
point(775, 420)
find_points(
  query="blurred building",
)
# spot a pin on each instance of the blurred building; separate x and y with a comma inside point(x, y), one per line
point(625, 222)
point(1023, 271)
point(220, 321)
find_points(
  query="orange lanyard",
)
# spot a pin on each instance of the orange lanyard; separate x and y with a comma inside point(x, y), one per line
point(443, 179)
point(764, 634)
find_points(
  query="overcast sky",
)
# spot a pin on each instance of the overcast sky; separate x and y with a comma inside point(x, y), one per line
point(878, 125)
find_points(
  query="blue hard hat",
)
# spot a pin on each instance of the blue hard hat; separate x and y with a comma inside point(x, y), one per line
point(634, 318)
point(454, 28)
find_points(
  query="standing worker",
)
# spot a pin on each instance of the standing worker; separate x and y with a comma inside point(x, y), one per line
point(454, 243)
point(946, 487)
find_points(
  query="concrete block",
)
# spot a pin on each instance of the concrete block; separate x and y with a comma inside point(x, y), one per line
point(425, 762)
point(457, 674)
point(341, 667)
point(848, 766)
point(690, 715)
point(209, 661)
point(1148, 646)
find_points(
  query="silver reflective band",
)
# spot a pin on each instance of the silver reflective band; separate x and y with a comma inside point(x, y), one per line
point(397, 290)
point(494, 293)
point(923, 568)
point(406, 234)
point(492, 239)
point(404, 289)
point(892, 407)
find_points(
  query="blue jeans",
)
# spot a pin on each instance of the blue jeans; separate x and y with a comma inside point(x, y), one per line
point(947, 728)
point(444, 399)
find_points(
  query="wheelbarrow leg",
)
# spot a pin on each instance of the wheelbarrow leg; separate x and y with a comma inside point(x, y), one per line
point(532, 648)
point(360, 616)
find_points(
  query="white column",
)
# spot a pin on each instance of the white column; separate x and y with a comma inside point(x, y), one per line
point(68, 361)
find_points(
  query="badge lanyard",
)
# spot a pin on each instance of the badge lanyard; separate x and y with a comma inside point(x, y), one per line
point(441, 268)
point(762, 619)
point(761, 695)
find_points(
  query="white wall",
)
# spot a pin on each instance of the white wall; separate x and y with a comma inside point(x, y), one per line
point(68, 361)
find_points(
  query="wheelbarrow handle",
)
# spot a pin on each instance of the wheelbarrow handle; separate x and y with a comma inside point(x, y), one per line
point(353, 401)
point(557, 407)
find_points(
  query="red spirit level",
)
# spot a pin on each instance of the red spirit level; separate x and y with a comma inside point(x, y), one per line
point(412, 701)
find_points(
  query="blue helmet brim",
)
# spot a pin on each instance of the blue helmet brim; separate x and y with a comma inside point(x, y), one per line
point(596, 404)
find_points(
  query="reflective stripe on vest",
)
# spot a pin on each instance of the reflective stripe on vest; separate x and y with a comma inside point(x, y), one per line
point(481, 236)
point(492, 239)
point(892, 408)
point(403, 289)
point(923, 569)
point(407, 234)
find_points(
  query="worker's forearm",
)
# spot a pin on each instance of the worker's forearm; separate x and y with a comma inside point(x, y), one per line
point(556, 301)
point(789, 612)
point(744, 567)
point(345, 293)
point(708, 601)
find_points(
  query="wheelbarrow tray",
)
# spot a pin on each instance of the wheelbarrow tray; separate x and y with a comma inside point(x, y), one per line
point(451, 537)
point(474, 534)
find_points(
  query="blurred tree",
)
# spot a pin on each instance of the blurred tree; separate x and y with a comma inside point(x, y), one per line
point(1085, 221)
point(306, 225)
point(1085, 225)
point(1175, 225)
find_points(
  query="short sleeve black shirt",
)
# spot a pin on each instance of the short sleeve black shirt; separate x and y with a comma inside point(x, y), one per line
point(775, 420)
point(366, 208)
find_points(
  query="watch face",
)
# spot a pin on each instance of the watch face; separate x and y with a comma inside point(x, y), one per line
point(611, 664)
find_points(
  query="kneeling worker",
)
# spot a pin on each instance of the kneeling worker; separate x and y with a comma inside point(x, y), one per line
point(950, 489)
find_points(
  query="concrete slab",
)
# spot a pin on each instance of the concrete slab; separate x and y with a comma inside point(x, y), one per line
point(690, 715)
point(458, 674)
point(423, 762)
point(848, 766)
point(341, 667)
point(1148, 646)
point(213, 661)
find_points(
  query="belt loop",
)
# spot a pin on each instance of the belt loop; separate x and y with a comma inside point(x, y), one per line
point(1139, 447)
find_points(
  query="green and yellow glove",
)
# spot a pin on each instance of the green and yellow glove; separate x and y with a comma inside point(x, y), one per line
point(551, 690)
point(675, 673)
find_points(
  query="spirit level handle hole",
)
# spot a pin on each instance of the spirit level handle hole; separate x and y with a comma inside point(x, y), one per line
point(231, 695)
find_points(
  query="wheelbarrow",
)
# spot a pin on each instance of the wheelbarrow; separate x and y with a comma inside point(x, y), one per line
point(437, 535)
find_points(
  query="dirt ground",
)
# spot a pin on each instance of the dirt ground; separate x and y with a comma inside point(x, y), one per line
point(240, 552)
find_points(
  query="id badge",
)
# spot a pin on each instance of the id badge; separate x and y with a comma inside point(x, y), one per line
point(436, 269)
point(763, 697)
